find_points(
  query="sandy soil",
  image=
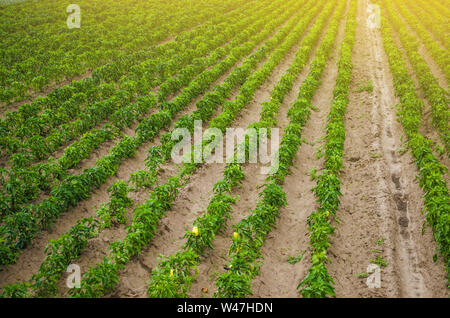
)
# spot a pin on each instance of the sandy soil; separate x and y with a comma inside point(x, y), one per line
point(31, 257)
point(192, 202)
point(278, 278)
point(381, 197)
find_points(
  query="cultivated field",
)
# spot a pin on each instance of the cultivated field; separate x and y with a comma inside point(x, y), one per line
point(93, 96)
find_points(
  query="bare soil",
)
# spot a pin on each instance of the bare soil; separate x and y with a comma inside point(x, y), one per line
point(381, 200)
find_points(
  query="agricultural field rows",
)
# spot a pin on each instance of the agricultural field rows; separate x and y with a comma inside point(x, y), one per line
point(115, 159)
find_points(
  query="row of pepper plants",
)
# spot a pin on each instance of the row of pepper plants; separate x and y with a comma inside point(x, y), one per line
point(431, 172)
point(174, 275)
point(104, 36)
point(437, 96)
point(26, 128)
point(62, 251)
point(28, 187)
point(318, 282)
point(206, 107)
point(26, 121)
point(415, 17)
point(434, 19)
point(436, 7)
point(104, 277)
point(24, 181)
point(76, 188)
point(250, 233)
point(158, 58)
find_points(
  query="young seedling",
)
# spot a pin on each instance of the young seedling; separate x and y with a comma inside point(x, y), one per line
point(320, 152)
point(295, 259)
point(380, 261)
point(314, 108)
point(440, 149)
point(365, 87)
point(403, 149)
point(380, 241)
point(313, 174)
point(363, 115)
point(375, 155)
point(362, 275)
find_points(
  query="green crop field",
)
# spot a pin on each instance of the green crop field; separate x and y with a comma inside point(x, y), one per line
point(98, 97)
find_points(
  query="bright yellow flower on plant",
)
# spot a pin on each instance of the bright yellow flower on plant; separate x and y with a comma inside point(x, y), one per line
point(328, 213)
point(195, 231)
point(235, 235)
point(171, 272)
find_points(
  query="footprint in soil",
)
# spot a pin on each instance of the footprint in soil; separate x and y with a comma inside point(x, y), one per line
point(396, 181)
point(405, 234)
point(403, 221)
point(389, 133)
point(400, 201)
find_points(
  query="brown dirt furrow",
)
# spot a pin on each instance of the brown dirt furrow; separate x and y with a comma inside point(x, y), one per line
point(30, 259)
point(434, 68)
point(278, 278)
point(381, 200)
point(212, 264)
point(136, 273)
point(192, 202)
point(98, 247)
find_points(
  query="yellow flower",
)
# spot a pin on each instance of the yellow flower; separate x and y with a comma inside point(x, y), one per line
point(195, 231)
point(235, 235)
point(328, 213)
point(171, 272)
